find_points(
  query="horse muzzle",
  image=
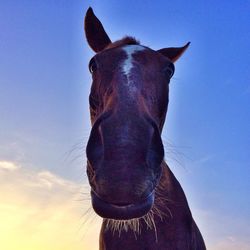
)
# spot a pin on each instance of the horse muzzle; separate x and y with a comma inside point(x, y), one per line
point(122, 212)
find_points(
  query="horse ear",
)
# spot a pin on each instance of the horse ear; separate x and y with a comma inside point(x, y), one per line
point(96, 35)
point(173, 53)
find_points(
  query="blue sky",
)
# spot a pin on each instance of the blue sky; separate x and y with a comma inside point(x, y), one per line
point(44, 86)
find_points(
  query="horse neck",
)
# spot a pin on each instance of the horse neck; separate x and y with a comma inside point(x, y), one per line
point(170, 194)
point(175, 226)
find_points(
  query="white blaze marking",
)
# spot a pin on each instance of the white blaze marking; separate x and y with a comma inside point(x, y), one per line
point(128, 64)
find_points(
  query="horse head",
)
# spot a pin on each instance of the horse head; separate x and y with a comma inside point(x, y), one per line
point(128, 104)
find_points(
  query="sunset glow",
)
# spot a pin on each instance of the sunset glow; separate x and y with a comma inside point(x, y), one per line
point(44, 116)
point(39, 210)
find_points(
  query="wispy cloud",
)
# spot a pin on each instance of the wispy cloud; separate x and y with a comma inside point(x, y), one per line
point(232, 243)
point(40, 210)
point(222, 232)
point(9, 166)
point(204, 159)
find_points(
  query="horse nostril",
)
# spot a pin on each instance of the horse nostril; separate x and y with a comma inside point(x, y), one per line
point(156, 149)
point(94, 149)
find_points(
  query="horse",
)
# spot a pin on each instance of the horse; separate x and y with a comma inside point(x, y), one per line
point(132, 188)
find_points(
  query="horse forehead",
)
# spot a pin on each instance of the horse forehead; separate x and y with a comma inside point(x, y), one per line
point(130, 50)
point(130, 85)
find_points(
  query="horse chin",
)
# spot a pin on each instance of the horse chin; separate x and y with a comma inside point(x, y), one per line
point(122, 212)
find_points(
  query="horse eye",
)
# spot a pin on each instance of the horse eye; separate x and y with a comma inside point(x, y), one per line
point(92, 66)
point(170, 70)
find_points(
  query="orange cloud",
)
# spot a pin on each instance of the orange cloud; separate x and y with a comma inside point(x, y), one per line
point(39, 210)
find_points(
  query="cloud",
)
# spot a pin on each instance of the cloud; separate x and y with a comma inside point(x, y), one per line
point(222, 232)
point(9, 166)
point(40, 210)
point(231, 243)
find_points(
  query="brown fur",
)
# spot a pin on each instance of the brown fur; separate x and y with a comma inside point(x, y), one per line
point(127, 40)
point(132, 188)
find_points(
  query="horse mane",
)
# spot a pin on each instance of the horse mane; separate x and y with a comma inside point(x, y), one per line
point(127, 40)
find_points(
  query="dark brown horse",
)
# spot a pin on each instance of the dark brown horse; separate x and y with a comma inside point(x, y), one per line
point(132, 188)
